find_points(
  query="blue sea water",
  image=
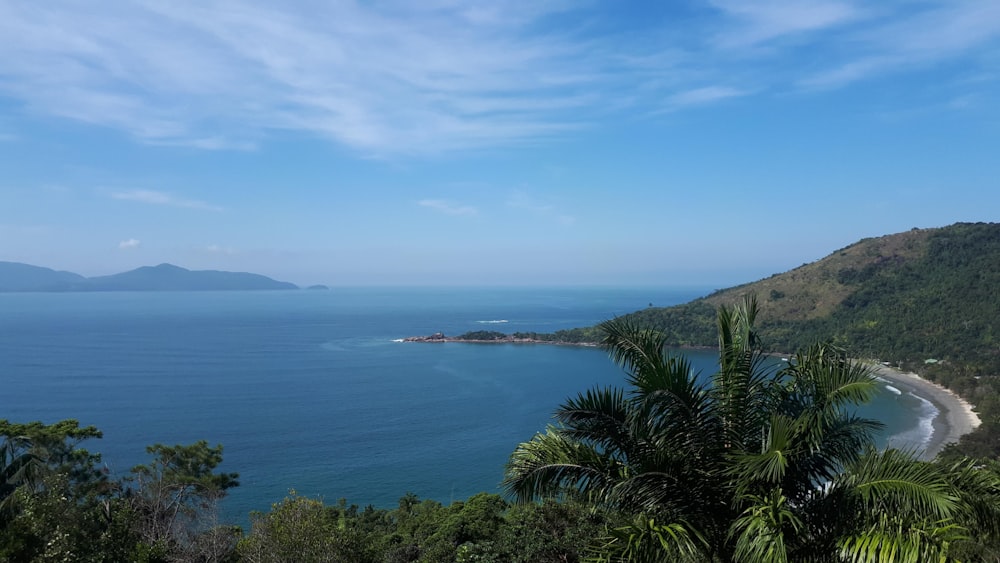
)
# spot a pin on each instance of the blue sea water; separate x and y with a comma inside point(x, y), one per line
point(307, 390)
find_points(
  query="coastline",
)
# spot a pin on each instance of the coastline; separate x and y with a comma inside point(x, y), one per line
point(955, 418)
point(506, 339)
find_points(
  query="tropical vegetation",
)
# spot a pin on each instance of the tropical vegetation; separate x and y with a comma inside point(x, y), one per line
point(924, 300)
point(759, 462)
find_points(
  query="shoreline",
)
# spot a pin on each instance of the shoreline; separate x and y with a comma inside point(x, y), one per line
point(955, 417)
point(507, 339)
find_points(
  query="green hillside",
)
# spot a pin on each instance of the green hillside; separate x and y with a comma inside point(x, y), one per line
point(906, 298)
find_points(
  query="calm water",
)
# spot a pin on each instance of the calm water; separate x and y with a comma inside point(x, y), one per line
point(307, 390)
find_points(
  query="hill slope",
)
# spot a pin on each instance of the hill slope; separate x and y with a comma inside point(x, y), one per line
point(927, 300)
point(15, 276)
point(165, 277)
point(923, 294)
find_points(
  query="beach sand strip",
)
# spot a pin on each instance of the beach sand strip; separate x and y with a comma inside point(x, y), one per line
point(956, 416)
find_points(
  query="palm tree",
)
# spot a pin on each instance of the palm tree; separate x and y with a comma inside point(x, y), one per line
point(21, 465)
point(757, 463)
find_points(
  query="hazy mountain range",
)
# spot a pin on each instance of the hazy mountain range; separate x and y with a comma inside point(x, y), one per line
point(15, 276)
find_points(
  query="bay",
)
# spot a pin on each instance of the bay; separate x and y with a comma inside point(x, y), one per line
point(308, 390)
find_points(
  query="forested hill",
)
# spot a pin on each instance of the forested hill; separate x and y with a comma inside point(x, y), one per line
point(908, 297)
point(926, 300)
point(922, 294)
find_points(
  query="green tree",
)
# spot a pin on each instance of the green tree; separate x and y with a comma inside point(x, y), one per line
point(174, 500)
point(29, 451)
point(303, 530)
point(757, 463)
point(20, 466)
point(59, 501)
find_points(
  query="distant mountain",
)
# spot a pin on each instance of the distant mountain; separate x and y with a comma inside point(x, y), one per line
point(165, 277)
point(15, 276)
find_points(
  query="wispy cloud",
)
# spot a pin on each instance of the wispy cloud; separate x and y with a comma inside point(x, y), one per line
point(129, 244)
point(758, 21)
point(395, 77)
point(701, 96)
point(447, 206)
point(520, 199)
point(388, 77)
point(918, 40)
point(152, 197)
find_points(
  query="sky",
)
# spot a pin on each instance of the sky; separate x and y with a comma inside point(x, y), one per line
point(501, 142)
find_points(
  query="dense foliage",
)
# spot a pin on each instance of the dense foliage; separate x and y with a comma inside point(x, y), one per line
point(60, 505)
point(759, 464)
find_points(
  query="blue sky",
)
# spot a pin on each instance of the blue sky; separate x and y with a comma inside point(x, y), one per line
point(502, 142)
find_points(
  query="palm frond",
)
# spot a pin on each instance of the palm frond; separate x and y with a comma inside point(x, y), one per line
point(598, 416)
point(763, 529)
point(823, 375)
point(977, 483)
point(915, 543)
point(551, 463)
point(745, 389)
point(636, 349)
point(768, 464)
point(895, 482)
point(645, 541)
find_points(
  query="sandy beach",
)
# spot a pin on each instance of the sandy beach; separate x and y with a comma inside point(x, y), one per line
point(955, 417)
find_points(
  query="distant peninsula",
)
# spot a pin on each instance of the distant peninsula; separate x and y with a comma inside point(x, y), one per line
point(494, 337)
point(18, 277)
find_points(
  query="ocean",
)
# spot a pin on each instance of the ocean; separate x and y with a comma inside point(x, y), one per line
point(308, 390)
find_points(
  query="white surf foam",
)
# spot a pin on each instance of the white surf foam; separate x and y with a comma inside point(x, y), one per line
point(919, 436)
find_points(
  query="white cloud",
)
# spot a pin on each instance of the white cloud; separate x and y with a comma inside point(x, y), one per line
point(447, 206)
point(152, 197)
point(917, 40)
point(758, 21)
point(129, 243)
point(389, 77)
point(395, 77)
point(706, 95)
point(848, 72)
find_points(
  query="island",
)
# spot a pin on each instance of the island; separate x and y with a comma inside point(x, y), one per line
point(18, 277)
